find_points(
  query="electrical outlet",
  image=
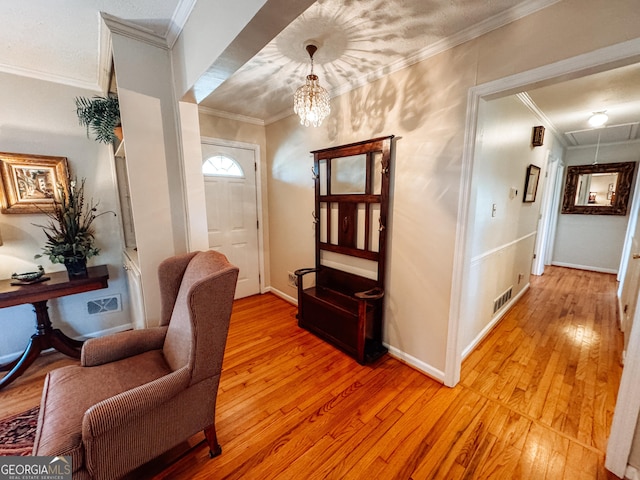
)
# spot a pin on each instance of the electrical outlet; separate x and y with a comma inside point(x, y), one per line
point(293, 279)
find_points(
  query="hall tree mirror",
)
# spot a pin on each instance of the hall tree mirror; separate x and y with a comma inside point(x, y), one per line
point(599, 189)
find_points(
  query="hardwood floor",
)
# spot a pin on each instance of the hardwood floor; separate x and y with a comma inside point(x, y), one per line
point(535, 401)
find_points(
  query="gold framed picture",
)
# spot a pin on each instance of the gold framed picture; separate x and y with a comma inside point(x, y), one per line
point(29, 182)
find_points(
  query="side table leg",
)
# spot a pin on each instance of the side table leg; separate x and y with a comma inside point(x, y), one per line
point(64, 344)
point(8, 366)
point(28, 357)
point(54, 337)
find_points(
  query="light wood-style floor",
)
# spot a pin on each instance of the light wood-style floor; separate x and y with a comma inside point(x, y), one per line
point(535, 401)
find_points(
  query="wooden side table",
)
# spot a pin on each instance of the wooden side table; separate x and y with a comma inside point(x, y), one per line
point(46, 336)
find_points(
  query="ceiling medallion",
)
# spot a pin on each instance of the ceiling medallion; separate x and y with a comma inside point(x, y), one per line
point(311, 101)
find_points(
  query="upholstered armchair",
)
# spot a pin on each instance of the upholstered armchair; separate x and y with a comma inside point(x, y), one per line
point(139, 393)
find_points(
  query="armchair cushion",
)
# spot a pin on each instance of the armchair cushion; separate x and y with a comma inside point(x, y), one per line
point(111, 348)
point(77, 389)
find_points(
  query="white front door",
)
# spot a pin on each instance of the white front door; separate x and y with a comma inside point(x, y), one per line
point(232, 218)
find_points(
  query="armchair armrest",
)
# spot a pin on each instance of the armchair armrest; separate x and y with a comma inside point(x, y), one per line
point(119, 409)
point(373, 294)
point(110, 348)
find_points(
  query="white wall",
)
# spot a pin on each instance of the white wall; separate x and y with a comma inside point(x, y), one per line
point(502, 244)
point(594, 242)
point(39, 117)
point(425, 105)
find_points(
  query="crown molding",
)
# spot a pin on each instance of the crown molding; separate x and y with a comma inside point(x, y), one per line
point(49, 77)
point(475, 31)
point(531, 105)
point(104, 57)
point(178, 20)
point(287, 112)
point(231, 116)
point(134, 31)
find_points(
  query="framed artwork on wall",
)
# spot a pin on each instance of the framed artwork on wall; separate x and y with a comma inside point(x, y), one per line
point(531, 184)
point(537, 138)
point(29, 182)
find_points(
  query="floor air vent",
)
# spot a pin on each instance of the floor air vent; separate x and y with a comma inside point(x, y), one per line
point(502, 299)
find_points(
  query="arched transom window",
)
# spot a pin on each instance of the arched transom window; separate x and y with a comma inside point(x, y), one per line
point(221, 166)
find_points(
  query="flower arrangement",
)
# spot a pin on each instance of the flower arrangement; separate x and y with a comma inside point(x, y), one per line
point(70, 234)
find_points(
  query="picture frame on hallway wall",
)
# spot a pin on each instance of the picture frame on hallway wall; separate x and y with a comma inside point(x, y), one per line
point(531, 184)
point(29, 182)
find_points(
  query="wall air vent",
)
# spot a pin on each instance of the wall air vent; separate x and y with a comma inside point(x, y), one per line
point(104, 305)
point(502, 299)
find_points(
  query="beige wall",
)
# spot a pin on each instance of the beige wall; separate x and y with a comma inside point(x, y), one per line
point(425, 106)
point(39, 117)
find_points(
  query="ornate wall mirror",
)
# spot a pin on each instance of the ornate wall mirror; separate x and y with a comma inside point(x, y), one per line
point(600, 189)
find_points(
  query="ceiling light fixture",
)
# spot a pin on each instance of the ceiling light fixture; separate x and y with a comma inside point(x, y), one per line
point(598, 119)
point(311, 101)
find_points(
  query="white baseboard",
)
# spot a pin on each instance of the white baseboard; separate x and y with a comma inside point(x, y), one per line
point(485, 331)
point(585, 267)
point(282, 295)
point(631, 473)
point(415, 363)
point(100, 333)
point(394, 352)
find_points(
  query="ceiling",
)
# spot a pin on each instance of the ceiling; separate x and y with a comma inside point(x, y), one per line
point(359, 41)
point(70, 44)
point(568, 106)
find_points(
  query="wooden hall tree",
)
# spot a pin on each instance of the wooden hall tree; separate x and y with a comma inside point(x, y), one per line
point(345, 306)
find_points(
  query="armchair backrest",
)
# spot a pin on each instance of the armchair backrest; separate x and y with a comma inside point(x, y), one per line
point(202, 286)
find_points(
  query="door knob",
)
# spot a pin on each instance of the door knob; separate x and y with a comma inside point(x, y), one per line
point(635, 256)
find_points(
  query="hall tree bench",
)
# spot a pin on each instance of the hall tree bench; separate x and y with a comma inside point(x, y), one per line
point(345, 303)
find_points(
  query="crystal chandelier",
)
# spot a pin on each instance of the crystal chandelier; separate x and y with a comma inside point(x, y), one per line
point(311, 101)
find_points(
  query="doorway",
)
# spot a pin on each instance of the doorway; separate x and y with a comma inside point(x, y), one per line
point(230, 186)
point(597, 61)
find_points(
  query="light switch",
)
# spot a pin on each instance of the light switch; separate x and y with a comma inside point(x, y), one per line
point(493, 210)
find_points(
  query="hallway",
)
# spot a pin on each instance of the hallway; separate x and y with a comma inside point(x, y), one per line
point(554, 360)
